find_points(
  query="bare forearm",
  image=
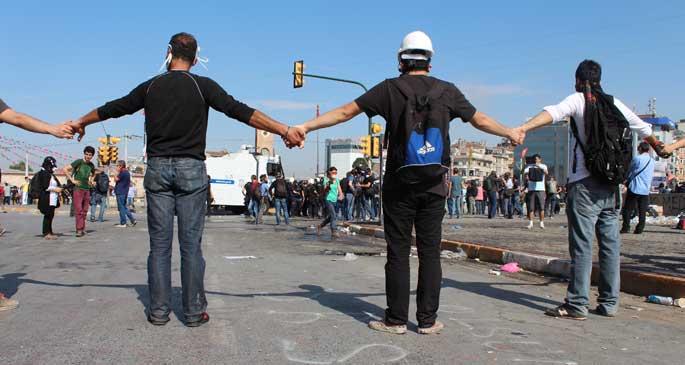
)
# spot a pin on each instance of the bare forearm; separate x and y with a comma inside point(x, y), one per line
point(263, 122)
point(333, 117)
point(486, 124)
point(25, 122)
point(540, 120)
point(90, 118)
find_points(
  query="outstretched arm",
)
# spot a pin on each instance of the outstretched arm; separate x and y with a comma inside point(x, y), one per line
point(31, 124)
point(488, 125)
point(336, 116)
point(674, 146)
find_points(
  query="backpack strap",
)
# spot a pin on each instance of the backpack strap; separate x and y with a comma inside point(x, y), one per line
point(574, 130)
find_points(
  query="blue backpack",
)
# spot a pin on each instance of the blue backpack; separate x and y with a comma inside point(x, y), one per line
point(420, 151)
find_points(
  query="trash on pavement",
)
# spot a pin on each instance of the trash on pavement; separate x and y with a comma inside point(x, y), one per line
point(664, 300)
point(349, 256)
point(511, 267)
point(458, 254)
point(495, 272)
point(679, 302)
point(456, 227)
point(240, 257)
point(635, 308)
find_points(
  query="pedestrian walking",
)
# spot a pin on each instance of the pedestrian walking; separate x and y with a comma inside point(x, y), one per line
point(48, 189)
point(417, 109)
point(176, 105)
point(332, 192)
point(99, 195)
point(279, 191)
point(81, 174)
point(535, 175)
point(454, 199)
point(638, 184)
point(600, 150)
point(121, 191)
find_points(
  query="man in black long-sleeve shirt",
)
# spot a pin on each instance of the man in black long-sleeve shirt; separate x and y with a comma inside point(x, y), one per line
point(176, 106)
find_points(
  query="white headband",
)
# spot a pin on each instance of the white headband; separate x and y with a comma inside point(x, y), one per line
point(201, 60)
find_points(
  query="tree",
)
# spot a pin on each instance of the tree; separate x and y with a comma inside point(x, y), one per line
point(360, 162)
point(20, 166)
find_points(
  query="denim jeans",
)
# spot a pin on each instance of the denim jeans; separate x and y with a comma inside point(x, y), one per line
point(349, 206)
point(176, 186)
point(507, 207)
point(592, 211)
point(123, 210)
point(492, 204)
point(255, 206)
point(281, 204)
point(330, 216)
point(454, 206)
point(96, 199)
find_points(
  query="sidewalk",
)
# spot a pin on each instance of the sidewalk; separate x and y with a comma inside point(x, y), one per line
point(660, 249)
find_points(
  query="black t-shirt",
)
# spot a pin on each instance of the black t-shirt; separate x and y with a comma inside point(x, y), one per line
point(3, 107)
point(176, 107)
point(387, 101)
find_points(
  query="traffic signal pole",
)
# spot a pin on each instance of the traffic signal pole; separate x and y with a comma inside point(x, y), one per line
point(338, 80)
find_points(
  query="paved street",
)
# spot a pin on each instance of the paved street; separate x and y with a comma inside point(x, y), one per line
point(659, 249)
point(82, 301)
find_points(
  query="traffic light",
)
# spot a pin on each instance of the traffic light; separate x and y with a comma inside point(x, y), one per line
point(103, 155)
point(376, 128)
point(114, 154)
point(298, 78)
point(365, 144)
point(376, 147)
point(114, 140)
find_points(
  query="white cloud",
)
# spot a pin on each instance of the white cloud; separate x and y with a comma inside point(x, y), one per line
point(274, 104)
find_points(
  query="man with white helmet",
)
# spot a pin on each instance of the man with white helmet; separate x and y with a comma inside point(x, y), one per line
point(417, 109)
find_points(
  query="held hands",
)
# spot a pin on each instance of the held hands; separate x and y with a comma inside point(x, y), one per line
point(517, 135)
point(78, 127)
point(295, 137)
point(64, 130)
point(662, 150)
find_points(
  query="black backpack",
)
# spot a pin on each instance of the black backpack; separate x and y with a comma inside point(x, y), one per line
point(34, 186)
point(536, 174)
point(420, 149)
point(281, 190)
point(608, 148)
point(102, 184)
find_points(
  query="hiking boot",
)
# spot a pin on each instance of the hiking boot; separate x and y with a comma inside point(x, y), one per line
point(434, 329)
point(381, 326)
point(530, 225)
point(565, 311)
point(7, 303)
point(204, 318)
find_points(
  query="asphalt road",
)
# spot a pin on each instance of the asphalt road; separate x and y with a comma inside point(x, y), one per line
point(82, 301)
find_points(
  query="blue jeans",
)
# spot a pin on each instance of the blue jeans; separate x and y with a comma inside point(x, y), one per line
point(330, 216)
point(95, 199)
point(349, 206)
point(507, 207)
point(123, 210)
point(176, 186)
point(255, 206)
point(492, 202)
point(281, 204)
point(454, 206)
point(592, 211)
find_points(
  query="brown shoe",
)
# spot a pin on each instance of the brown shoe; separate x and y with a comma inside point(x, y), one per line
point(381, 326)
point(7, 303)
point(434, 329)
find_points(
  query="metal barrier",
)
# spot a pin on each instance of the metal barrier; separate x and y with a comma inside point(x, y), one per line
point(673, 204)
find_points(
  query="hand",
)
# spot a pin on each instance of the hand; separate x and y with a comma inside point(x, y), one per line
point(64, 130)
point(295, 137)
point(662, 150)
point(58, 190)
point(517, 135)
point(668, 150)
point(78, 127)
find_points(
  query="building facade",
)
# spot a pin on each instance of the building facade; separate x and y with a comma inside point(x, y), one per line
point(477, 160)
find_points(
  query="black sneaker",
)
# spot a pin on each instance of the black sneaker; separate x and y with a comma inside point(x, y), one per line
point(157, 321)
point(625, 230)
point(204, 318)
point(565, 311)
point(601, 311)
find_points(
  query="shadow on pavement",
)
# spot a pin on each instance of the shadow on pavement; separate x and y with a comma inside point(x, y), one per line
point(493, 291)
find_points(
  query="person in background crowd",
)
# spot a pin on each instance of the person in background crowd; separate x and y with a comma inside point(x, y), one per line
point(247, 194)
point(121, 190)
point(454, 199)
point(552, 198)
point(81, 173)
point(49, 189)
point(7, 195)
point(331, 192)
point(638, 184)
point(265, 198)
point(471, 194)
point(279, 191)
point(347, 187)
point(296, 196)
point(490, 185)
point(131, 196)
point(25, 191)
point(508, 195)
point(535, 175)
point(99, 195)
point(480, 197)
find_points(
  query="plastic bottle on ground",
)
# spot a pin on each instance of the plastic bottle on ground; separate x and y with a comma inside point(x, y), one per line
point(660, 300)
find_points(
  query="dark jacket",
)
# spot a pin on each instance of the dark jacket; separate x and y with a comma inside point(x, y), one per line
point(44, 195)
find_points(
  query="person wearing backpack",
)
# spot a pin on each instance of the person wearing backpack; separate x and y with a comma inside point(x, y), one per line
point(279, 191)
point(99, 195)
point(638, 184)
point(80, 173)
point(535, 198)
point(599, 156)
point(417, 109)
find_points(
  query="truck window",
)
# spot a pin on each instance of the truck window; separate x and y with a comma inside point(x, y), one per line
point(273, 169)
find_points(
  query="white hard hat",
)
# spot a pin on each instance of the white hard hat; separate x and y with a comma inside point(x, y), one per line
point(416, 41)
point(311, 181)
point(292, 179)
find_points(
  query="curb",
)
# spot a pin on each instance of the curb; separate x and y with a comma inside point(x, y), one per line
point(632, 282)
